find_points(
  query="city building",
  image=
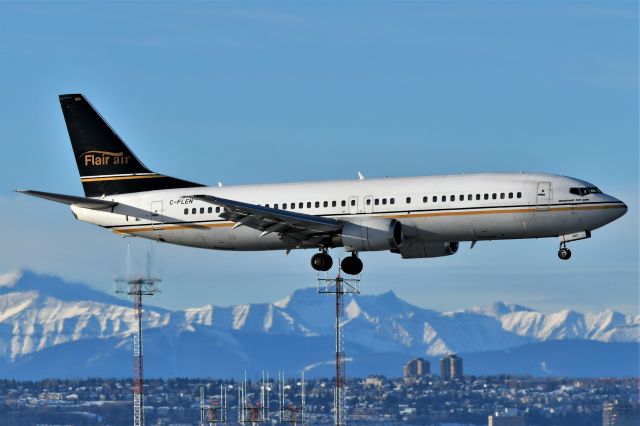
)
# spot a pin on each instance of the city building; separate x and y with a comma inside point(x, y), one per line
point(415, 369)
point(620, 413)
point(451, 368)
point(506, 417)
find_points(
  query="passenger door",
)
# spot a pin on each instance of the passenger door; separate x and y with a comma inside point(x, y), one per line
point(544, 195)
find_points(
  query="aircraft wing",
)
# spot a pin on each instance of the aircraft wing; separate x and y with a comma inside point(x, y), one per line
point(72, 200)
point(297, 226)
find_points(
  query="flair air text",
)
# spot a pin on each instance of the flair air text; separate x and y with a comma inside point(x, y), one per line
point(104, 158)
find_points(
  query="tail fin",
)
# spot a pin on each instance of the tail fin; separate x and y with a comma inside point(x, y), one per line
point(106, 164)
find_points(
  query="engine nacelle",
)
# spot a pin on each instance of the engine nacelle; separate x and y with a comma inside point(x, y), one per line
point(370, 235)
point(428, 250)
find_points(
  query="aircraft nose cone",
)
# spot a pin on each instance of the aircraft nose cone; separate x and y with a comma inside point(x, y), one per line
point(621, 210)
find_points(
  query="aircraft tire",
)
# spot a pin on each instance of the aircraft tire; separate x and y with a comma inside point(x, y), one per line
point(351, 265)
point(321, 262)
point(564, 254)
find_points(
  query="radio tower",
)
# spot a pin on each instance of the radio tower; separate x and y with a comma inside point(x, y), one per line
point(137, 288)
point(339, 286)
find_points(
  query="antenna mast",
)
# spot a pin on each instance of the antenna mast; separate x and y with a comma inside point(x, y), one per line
point(137, 288)
point(339, 286)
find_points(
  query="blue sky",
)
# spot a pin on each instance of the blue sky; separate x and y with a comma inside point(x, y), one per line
point(271, 92)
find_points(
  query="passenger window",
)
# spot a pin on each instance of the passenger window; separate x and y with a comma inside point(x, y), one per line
point(392, 201)
point(368, 201)
point(284, 206)
point(193, 210)
point(210, 210)
point(425, 199)
point(343, 203)
point(384, 201)
point(444, 198)
point(519, 194)
point(218, 209)
point(325, 204)
point(434, 199)
point(353, 203)
point(317, 204)
point(201, 210)
point(469, 197)
point(333, 204)
point(275, 206)
point(308, 204)
point(408, 200)
point(186, 211)
point(452, 197)
point(502, 195)
point(477, 196)
point(494, 195)
point(300, 205)
point(511, 195)
point(377, 201)
point(486, 196)
point(461, 197)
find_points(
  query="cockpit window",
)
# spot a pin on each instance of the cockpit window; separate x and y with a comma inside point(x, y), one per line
point(584, 191)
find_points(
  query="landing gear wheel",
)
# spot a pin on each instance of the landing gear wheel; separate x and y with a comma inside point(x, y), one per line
point(321, 262)
point(351, 265)
point(564, 253)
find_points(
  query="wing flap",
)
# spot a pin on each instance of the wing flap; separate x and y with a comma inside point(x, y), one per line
point(72, 200)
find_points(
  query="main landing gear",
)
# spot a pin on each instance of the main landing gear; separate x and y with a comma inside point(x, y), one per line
point(321, 261)
point(351, 265)
point(564, 253)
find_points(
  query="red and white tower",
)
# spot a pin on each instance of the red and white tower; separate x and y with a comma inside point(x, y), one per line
point(137, 288)
point(339, 286)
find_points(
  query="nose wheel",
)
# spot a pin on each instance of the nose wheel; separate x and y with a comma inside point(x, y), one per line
point(564, 253)
point(321, 261)
point(351, 265)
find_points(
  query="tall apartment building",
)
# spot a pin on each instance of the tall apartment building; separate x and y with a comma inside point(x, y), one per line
point(451, 368)
point(415, 369)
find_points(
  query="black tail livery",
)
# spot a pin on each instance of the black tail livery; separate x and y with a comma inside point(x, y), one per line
point(106, 164)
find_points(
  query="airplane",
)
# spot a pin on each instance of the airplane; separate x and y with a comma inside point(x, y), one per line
point(415, 217)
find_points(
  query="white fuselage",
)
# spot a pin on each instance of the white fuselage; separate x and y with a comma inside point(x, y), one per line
point(434, 209)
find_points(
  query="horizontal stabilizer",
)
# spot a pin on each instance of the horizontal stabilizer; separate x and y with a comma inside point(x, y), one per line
point(72, 200)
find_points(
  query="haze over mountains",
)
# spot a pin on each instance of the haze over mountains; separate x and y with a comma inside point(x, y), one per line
point(52, 328)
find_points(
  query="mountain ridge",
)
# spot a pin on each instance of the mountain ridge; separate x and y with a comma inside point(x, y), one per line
point(37, 316)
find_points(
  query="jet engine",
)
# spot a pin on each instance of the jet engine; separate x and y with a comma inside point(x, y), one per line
point(416, 251)
point(370, 235)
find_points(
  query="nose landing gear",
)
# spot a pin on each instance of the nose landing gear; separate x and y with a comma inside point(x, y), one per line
point(564, 253)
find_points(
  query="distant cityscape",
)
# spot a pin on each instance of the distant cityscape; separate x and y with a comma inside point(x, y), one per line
point(424, 400)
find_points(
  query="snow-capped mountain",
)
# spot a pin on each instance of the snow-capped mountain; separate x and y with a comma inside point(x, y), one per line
point(44, 317)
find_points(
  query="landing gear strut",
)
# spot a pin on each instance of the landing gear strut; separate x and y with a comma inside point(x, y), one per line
point(564, 253)
point(351, 265)
point(321, 261)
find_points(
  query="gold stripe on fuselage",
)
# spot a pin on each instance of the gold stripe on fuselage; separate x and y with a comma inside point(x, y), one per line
point(100, 179)
point(398, 216)
point(501, 211)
